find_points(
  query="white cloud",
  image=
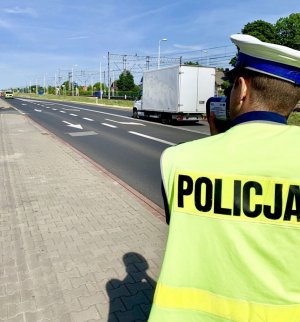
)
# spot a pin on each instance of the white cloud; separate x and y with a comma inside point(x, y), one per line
point(78, 37)
point(188, 47)
point(21, 11)
point(145, 13)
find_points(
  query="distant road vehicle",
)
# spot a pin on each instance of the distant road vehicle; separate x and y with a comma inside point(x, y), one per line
point(177, 93)
point(8, 94)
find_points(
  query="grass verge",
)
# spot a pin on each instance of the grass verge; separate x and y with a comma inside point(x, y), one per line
point(81, 99)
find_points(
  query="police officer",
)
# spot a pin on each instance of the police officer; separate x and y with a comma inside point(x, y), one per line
point(234, 203)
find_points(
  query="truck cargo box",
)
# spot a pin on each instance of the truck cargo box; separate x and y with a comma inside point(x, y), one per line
point(182, 90)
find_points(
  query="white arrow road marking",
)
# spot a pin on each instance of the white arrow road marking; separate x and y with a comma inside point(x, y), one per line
point(152, 138)
point(87, 133)
point(109, 125)
point(37, 110)
point(77, 126)
point(129, 123)
point(73, 114)
point(86, 118)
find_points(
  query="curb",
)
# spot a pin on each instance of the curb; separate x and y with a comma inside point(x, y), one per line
point(4, 105)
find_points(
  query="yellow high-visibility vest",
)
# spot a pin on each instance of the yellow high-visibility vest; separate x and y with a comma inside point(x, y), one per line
point(233, 250)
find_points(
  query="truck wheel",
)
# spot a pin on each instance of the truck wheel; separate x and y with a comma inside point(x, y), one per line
point(166, 119)
point(135, 114)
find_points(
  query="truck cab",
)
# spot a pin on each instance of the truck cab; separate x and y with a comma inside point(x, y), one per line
point(8, 94)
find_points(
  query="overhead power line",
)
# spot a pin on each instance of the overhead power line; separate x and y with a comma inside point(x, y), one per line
point(218, 57)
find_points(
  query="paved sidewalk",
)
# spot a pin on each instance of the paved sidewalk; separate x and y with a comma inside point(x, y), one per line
point(75, 245)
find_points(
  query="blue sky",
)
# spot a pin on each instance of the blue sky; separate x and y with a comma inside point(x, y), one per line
point(41, 38)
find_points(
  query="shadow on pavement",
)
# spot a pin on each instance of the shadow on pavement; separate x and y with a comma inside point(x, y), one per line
point(131, 298)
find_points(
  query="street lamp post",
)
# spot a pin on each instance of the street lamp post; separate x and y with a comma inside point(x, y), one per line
point(100, 81)
point(72, 85)
point(44, 84)
point(158, 58)
point(73, 79)
point(108, 76)
point(100, 87)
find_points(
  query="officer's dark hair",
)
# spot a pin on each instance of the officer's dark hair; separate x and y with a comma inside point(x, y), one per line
point(275, 94)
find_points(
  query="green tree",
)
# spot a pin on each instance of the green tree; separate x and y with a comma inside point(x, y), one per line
point(64, 87)
point(51, 90)
point(233, 60)
point(125, 81)
point(97, 86)
point(262, 30)
point(32, 88)
point(226, 84)
point(288, 31)
point(191, 63)
point(67, 84)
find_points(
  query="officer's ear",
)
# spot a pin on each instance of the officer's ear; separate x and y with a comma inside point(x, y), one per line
point(238, 96)
point(246, 88)
point(243, 88)
point(241, 91)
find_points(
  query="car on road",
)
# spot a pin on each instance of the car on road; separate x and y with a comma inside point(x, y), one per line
point(8, 94)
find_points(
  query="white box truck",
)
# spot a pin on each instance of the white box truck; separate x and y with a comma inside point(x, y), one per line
point(175, 93)
point(8, 94)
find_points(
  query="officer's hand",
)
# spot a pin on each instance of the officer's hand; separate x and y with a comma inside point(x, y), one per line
point(212, 124)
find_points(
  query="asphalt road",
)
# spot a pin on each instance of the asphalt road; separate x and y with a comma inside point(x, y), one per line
point(127, 147)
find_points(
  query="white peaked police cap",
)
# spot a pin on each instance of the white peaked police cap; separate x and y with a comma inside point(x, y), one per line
point(274, 60)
